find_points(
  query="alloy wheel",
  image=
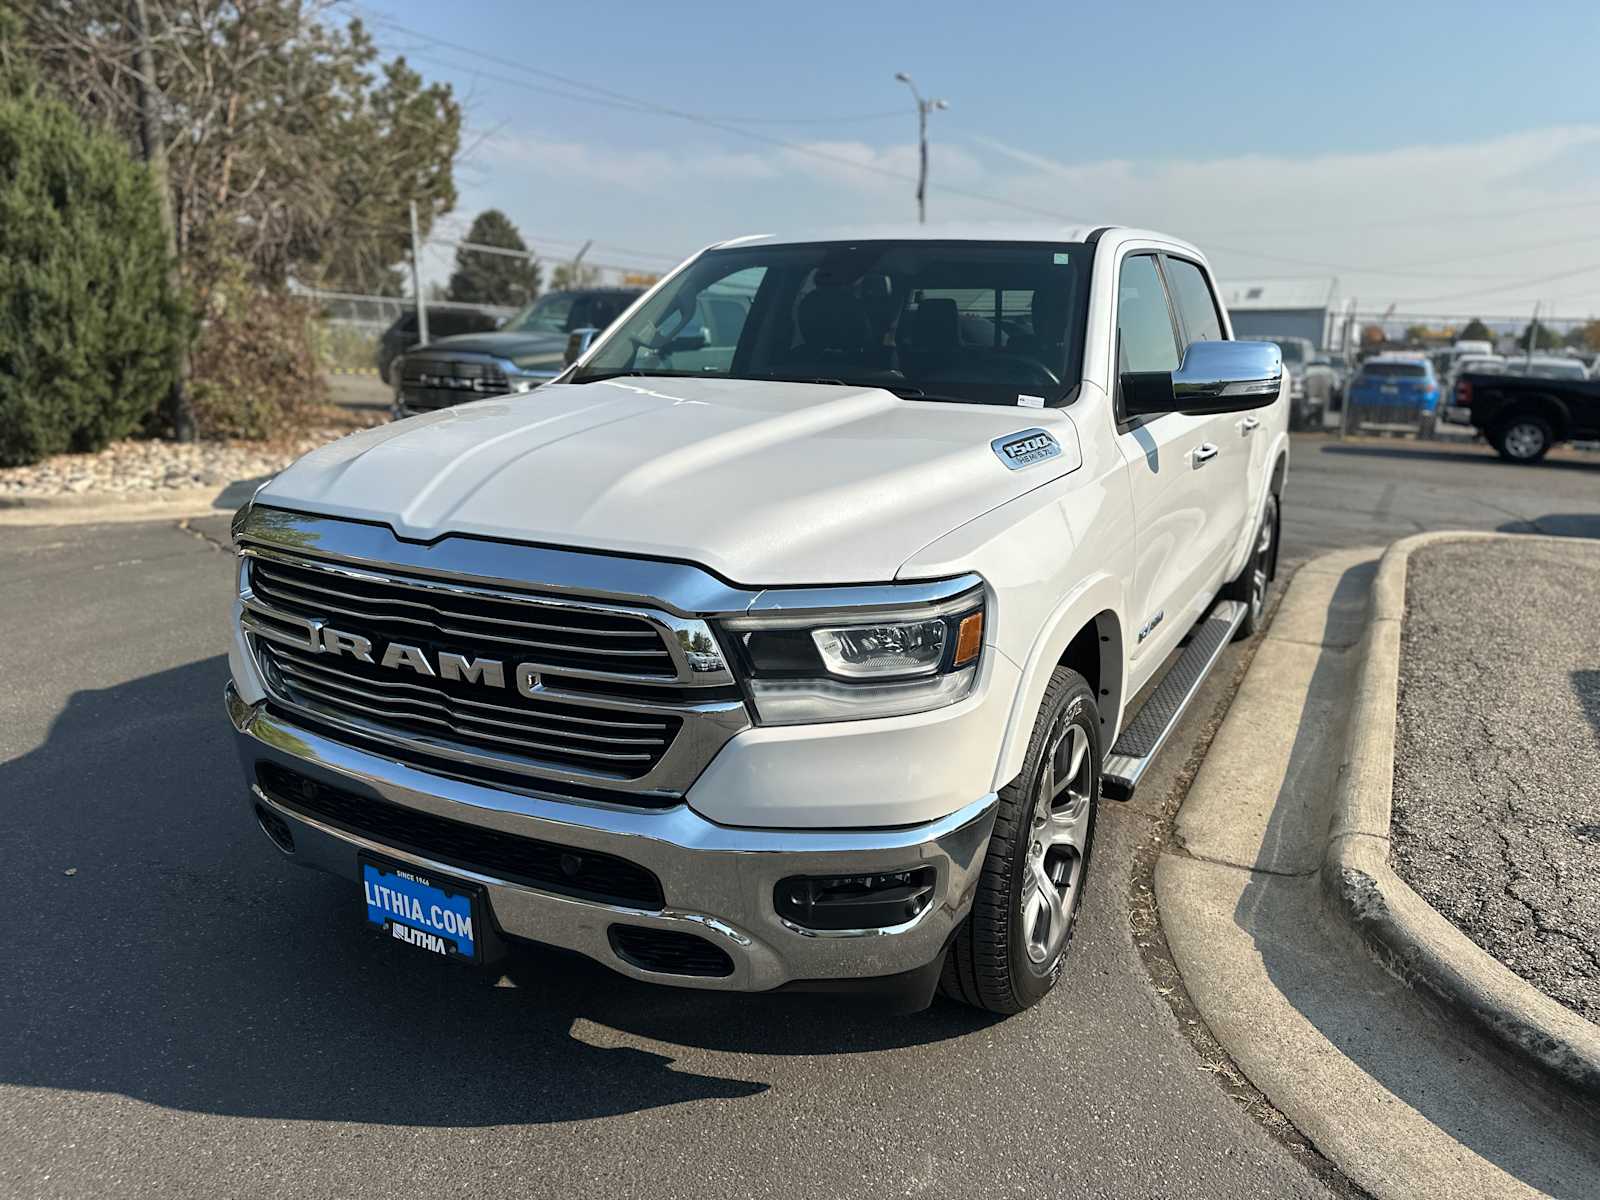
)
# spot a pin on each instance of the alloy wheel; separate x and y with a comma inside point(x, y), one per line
point(1062, 813)
point(1261, 563)
point(1524, 440)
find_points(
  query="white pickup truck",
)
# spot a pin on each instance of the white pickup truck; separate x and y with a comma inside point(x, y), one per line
point(792, 636)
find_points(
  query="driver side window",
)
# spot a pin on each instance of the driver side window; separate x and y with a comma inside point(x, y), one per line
point(1146, 339)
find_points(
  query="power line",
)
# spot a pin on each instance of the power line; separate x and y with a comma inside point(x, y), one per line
point(607, 97)
point(613, 99)
point(1406, 223)
point(1510, 287)
point(1347, 268)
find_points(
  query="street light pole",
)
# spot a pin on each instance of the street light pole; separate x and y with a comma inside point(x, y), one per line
point(924, 107)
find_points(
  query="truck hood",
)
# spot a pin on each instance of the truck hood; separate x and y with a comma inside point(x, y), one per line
point(764, 483)
point(501, 345)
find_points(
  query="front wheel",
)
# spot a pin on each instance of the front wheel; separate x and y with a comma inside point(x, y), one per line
point(1009, 952)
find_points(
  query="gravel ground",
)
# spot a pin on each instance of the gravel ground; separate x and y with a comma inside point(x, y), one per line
point(134, 466)
point(1496, 818)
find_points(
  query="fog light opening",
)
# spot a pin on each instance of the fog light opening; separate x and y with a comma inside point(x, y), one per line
point(832, 903)
point(276, 828)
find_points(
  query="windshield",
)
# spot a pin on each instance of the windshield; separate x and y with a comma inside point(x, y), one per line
point(979, 322)
point(547, 314)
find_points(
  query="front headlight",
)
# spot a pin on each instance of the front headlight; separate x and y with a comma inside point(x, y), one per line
point(808, 667)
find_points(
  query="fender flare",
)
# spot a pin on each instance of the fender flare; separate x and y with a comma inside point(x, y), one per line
point(1098, 599)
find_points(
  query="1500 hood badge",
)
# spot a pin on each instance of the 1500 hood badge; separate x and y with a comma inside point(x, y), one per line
point(1018, 450)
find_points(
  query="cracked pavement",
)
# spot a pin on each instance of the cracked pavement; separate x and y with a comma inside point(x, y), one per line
point(1497, 758)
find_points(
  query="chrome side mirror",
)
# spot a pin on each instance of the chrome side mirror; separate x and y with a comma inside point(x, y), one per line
point(1215, 377)
point(579, 341)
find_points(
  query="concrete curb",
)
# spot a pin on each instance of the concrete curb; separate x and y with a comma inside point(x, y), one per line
point(95, 507)
point(1413, 941)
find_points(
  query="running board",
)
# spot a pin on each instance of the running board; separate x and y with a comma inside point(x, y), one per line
point(1142, 738)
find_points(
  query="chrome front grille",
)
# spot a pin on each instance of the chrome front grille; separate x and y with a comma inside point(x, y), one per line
point(432, 383)
point(567, 695)
point(627, 743)
point(554, 636)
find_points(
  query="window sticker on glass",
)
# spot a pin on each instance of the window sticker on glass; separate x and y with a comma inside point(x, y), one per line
point(1062, 258)
point(1026, 401)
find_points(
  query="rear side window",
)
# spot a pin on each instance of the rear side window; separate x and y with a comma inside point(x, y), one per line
point(1196, 305)
point(1145, 337)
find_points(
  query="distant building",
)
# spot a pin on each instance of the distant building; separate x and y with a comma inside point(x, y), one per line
point(1308, 308)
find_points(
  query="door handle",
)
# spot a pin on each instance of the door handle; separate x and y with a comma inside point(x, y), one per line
point(1247, 425)
point(1204, 453)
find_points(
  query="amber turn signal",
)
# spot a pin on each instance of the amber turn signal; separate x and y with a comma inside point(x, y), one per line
point(969, 638)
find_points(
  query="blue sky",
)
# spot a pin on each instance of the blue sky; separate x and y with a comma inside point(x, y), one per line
point(1441, 157)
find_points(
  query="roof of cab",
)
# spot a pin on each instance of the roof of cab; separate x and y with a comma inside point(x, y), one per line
point(963, 231)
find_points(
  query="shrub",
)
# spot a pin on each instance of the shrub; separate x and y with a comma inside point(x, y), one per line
point(255, 363)
point(90, 327)
point(343, 344)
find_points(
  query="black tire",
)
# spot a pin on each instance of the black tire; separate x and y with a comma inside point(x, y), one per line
point(992, 963)
point(1524, 438)
point(1260, 569)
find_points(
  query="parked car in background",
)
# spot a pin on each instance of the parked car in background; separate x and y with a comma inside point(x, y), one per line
point(1472, 348)
point(1310, 390)
point(1394, 390)
point(1343, 365)
point(523, 353)
point(1530, 407)
point(1488, 364)
point(442, 322)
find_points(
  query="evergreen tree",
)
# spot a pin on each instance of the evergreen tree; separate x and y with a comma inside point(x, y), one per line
point(90, 326)
point(481, 278)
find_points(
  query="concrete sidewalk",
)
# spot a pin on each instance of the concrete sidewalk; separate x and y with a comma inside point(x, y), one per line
point(1392, 1095)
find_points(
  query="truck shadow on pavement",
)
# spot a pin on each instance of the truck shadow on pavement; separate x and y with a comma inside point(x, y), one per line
point(1319, 966)
point(163, 950)
point(1576, 525)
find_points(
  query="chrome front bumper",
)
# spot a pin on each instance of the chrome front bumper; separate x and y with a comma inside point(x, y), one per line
point(718, 881)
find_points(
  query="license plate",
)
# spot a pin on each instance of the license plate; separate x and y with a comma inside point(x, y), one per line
point(435, 913)
point(1389, 389)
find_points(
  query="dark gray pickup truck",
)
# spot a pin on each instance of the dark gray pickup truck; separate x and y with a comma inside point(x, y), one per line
point(1524, 415)
point(525, 352)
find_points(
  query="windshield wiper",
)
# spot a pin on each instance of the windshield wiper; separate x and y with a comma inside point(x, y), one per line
point(910, 391)
point(602, 376)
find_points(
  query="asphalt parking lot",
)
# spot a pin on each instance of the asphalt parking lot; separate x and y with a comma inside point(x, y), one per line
point(1497, 766)
point(188, 1014)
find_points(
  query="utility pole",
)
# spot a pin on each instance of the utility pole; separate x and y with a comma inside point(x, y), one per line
point(153, 144)
point(416, 280)
point(924, 107)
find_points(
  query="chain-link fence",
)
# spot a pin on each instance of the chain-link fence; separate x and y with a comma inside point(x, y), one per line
point(351, 325)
